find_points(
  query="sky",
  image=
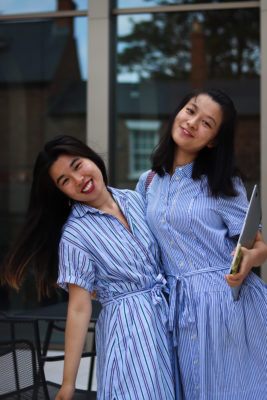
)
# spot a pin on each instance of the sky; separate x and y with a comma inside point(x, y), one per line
point(24, 6)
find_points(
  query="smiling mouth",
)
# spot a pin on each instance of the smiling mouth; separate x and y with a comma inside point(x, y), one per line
point(185, 132)
point(88, 187)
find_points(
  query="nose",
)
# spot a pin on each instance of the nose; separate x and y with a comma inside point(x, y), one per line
point(78, 179)
point(192, 121)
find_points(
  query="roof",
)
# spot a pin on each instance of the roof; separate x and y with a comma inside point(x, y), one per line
point(30, 51)
point(71, 100)
point(158, 99)
point(161, 98)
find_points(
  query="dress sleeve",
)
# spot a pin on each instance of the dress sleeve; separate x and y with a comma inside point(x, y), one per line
point(75, 266)
point(233, 209)
point(140, 187)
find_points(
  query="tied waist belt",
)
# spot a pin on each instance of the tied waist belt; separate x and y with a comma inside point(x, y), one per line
point(156, 292)
point(180, 309)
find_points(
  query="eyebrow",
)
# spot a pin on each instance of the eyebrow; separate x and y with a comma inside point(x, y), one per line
point(207, 116)
point(71, 165)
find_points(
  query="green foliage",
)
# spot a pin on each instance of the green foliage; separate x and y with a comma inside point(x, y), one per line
point(160, 48)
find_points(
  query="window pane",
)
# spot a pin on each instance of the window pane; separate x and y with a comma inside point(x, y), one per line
point(22, 7)
point(42, 94)
point(162, 56)
point(143, 141)
point(154, 3)
point(141, 162)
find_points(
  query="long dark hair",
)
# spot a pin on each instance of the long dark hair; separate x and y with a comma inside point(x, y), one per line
point(49, 208)
point(216, 163)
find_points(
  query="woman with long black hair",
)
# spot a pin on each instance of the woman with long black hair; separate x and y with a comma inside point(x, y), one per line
point(195, 206)
point(83, 235)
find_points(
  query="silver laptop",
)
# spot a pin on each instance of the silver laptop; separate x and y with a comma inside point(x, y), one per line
point(248, 232)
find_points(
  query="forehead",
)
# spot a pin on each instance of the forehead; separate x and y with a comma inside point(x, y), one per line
point(62, 163)
point(205, 103)
point(64, 160)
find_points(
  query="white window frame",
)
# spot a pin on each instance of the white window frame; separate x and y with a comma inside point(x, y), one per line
point(140, 126)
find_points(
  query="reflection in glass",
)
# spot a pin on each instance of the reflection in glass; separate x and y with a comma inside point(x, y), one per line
point(143, 137)
point(23, 7)
point(156, 3)
point(42, 94)
point(162, 56)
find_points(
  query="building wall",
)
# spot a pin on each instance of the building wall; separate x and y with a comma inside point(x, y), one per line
point(26, 124)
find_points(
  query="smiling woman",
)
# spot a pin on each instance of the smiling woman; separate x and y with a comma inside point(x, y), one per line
point(100, 242)
point(195, 206)
point(193, 128)
point(77, 177)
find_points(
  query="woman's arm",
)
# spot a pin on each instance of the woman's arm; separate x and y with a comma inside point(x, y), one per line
point(78, 318)
point(250, 258)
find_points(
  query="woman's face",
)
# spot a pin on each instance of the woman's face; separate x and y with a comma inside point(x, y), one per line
point(79, 178)
point(196, 125)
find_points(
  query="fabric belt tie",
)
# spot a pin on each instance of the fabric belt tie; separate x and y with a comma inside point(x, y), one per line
point(156, 293)
point(180, 309)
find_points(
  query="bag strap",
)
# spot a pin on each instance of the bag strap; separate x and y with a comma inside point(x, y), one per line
point(149, 178)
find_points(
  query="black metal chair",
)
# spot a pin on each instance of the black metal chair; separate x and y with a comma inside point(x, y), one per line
point(22, 361)
point(18, 371)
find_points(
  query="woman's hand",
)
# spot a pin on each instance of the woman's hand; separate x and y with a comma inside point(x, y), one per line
point(245, 266)
point(65, 392)
point(250, 258)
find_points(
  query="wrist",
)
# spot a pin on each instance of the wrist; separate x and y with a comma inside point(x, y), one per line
point(68, 383)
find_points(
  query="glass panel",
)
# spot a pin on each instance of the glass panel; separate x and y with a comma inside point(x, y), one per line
point(43, 68)
point(162, 56)
point(22, 7)
point(156, 3)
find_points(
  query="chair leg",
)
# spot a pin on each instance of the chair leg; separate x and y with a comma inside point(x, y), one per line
point(48, 334)
point(14, 356)
point(40, 373)
point(90, 380)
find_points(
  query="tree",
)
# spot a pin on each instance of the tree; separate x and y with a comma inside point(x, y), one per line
point(161, 48)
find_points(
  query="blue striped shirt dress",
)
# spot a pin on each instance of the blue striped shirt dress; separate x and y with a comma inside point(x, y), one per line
point(97, 252)
point(220, 343)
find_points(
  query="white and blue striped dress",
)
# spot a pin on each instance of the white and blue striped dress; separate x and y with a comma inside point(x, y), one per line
point(220, 343)
point(97, 252)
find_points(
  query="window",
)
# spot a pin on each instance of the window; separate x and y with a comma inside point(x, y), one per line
point(144, 136)
point(43, 79)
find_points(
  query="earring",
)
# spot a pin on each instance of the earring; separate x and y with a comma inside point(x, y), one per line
point(69, 203)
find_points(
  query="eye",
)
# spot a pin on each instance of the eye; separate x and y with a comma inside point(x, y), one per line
point(190, 110)
point(206, 123)
point(77, 166)
point(65, 181)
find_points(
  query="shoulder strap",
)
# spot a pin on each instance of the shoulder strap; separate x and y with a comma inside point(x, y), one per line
point(149, 178)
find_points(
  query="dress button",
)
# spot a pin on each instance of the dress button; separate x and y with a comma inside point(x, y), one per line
point(193, 337)
point(162, 220)
point(198, 387)
point(165, 198)
point(176, 178)
point(181, 264)
point(172, 242)
point(180, 169)
point(196, 362)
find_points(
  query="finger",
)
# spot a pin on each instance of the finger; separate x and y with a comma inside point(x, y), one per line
point(233, 281)
point(233, 278)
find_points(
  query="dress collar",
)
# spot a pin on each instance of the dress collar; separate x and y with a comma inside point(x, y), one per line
point(79, 209)
point(187, 169)
point(184, 169)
